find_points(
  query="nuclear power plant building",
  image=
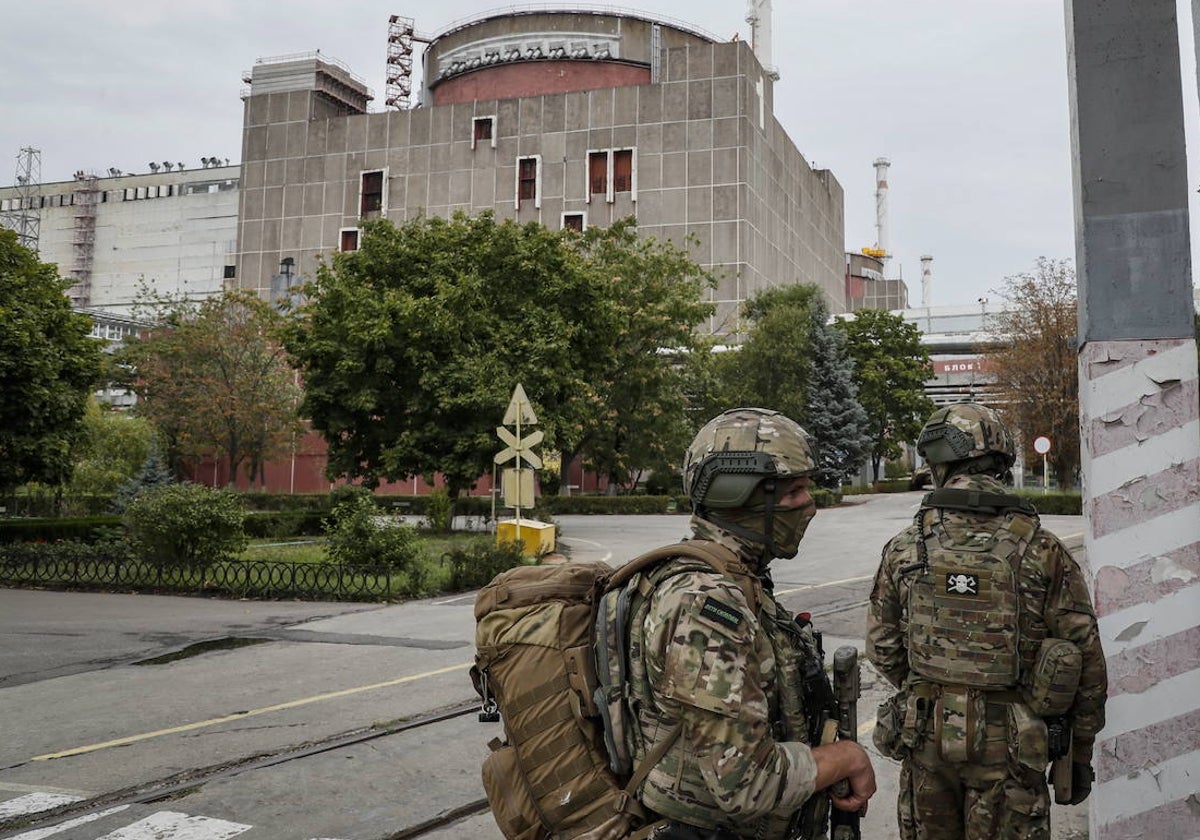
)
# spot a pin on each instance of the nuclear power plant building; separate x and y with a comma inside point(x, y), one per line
point(567, 118)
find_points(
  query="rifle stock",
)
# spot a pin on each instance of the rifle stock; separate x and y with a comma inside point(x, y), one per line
point(846, 688)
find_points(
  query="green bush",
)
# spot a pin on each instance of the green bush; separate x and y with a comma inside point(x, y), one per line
point(826, 498)
point(186, 525)
point(286, 501)
point(355, 536)
point(604, 504)
point(892, 485)
point(475, 564)
point(277, 524)
point(439, 510)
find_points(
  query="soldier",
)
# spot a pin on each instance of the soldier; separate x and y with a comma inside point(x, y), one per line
point(725, 680)
point(983, 621)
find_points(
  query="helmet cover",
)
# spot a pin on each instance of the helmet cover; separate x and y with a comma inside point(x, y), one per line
point(735, 451)
point(964, 431)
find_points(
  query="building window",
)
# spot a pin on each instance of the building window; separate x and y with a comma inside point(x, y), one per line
point(611, 171)
point(597, 174)
point(230, 272)
point(529, 186)
point(348, 240)
point(484, 130)
point(370, 197)
point(623, 170)
point(574, 221)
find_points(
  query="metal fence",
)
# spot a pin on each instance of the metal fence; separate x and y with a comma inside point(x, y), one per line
point(259, 579)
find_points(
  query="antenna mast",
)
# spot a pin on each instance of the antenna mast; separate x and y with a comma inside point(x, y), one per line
point(25, 217)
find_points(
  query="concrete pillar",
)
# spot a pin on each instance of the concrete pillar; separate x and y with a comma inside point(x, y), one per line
point(1139, 417)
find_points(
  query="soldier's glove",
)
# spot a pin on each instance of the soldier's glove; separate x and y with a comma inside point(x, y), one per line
point(1082, 776)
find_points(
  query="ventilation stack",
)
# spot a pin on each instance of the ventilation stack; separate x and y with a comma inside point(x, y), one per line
point(758, 15)
point(926, 280)
point(881, 213)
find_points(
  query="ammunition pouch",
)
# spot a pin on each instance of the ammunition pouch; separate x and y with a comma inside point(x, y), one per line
point(960, 721)
point(889, 727)
point(918, 713)
point(1050, 686)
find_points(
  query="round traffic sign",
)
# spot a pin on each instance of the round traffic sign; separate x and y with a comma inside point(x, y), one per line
point(1041, 444)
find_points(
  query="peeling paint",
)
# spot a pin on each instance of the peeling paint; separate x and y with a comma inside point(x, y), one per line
point(1132, 631)
point(1167, 569)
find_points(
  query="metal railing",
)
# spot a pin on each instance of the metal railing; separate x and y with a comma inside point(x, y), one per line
point(236, 578)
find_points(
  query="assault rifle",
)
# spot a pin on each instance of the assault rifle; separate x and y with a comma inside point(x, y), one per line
point(846, 688)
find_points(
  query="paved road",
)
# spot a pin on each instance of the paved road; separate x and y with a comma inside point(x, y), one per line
point(80, 719)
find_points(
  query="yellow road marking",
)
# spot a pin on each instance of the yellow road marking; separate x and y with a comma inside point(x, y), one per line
point(291, 704)
point(865, 727)
point(819, 585)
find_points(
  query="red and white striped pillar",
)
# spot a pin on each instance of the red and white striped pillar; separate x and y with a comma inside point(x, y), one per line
point(1140, 408)
point(1139, 411)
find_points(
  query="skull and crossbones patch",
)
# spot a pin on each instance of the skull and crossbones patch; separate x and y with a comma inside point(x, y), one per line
point(958, 583)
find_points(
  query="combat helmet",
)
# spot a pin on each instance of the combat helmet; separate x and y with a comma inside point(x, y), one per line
point(964, 432)
point(732, 475)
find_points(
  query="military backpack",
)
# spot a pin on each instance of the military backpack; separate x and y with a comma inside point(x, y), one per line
point(551, 660)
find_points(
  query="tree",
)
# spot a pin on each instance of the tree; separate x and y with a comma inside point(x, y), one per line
point(1036, 368)
point(652, 354)
point(49, 366)
point(411, 346)
point(773, 366)
point(793, 361)
point(113, 449)
point(890, 371)
point(213, 377)
point(834, 416)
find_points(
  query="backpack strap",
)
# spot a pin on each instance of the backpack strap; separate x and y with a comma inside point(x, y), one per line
point(960, 498)
point(722, 559)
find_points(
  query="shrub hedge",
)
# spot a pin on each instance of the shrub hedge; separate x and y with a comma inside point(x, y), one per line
point(1062, 503)
point(88, 529)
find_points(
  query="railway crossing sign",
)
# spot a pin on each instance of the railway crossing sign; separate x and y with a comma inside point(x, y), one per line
point(519, 449)
point(517, 484)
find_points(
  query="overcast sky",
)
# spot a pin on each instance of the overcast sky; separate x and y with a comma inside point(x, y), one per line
point(967, 99)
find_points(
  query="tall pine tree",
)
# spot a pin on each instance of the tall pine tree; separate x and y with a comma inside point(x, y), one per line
point(833, 414)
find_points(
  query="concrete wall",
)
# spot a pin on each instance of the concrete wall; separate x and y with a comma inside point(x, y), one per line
point(710, 160)
point(174, 230)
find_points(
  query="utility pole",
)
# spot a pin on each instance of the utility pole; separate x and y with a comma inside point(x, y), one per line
point(1139, 415)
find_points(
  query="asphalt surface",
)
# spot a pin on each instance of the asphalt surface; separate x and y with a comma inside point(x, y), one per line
point(79, 717)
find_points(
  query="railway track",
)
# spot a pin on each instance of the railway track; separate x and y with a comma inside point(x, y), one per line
point(188, 781)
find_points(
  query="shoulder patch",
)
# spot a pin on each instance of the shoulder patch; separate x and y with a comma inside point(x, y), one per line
point(722, 613)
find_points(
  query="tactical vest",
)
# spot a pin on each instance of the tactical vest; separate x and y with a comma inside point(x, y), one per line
point(799, 684)
point(964, 608)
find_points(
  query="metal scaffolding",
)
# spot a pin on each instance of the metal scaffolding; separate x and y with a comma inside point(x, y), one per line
point(399, 62)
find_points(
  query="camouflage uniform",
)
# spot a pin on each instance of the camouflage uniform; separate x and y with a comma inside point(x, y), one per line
point(709, 661)
point(717, 655)
point(1000, 790)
